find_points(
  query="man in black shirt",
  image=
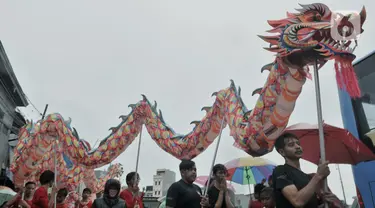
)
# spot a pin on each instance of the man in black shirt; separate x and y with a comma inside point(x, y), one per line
point(292, 187)
point(218, 193)
point(183, 193)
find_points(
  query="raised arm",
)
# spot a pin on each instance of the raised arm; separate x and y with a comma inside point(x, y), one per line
point(215, 202)
point(299, 198)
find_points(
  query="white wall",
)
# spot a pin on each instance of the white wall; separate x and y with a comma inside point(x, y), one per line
point(162, 182)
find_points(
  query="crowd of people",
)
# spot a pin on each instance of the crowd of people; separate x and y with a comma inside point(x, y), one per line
point(112, 197)
point(287, 187)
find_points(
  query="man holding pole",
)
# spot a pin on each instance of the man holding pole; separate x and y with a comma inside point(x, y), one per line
point(184, 193)
point(292, 187)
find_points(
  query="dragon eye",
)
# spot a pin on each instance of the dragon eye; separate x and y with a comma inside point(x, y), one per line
point(317, 17)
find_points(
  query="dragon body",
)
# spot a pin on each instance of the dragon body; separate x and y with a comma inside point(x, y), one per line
point(302, 39)
point(68, 174)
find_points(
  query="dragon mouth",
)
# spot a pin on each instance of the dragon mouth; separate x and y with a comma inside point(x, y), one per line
point(328, 46)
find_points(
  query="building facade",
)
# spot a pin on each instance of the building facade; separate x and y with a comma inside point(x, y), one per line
point(162, 181)
point(11, 97)
point(148, 190)
point(358, 117)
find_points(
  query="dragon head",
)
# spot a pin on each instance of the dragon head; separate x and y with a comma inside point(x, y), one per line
point(305, 38)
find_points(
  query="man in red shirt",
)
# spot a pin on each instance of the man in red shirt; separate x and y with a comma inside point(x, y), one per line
point(85, 202)
point(267, 198)
point(131, 195)
point(40, 198)
point(256, 203)
point(60, 198)
point(29, 192)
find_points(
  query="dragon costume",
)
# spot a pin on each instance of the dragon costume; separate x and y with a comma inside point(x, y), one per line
point(302, 38)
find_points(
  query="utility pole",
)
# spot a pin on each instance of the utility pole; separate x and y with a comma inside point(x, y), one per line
point(342, 185)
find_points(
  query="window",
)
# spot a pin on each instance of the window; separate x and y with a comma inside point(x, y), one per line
point(156, 183)
point(364, 108)
point(370, 113)
point(156, 192)
point(366, 77)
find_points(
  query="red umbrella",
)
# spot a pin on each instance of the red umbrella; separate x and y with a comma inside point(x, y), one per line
point(341, 146)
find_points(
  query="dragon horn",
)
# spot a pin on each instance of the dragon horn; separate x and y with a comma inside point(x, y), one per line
point(363, 15)
point(214, 94)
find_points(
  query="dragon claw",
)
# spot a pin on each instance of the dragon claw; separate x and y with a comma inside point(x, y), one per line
point(257, 91)
point(206, 108)
point(266, 67)
point(132, 106)
point(195, 122)
point(155, 105)
point(232, 85)
point(246, 115)
point(123, 117)
point(144, 97)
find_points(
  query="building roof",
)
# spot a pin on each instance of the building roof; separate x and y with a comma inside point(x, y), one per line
point(364, 58)
point(9, 80)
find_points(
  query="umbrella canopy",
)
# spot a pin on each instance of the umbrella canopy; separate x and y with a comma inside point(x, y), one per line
point(6, 194)
point(202, 180)
point(341, 146)
point(249, 170)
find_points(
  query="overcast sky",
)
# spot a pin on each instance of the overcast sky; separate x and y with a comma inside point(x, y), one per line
point(89, 59)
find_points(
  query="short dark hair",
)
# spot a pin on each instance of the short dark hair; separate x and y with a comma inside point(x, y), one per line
point(87, 190)
point(268, 191)
point(219, 167)
point(280, 141)
point(46, 177)
point(130, 177)
point(30, 183)
point(186, 164)
point(62, 192)
point(258, 188)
